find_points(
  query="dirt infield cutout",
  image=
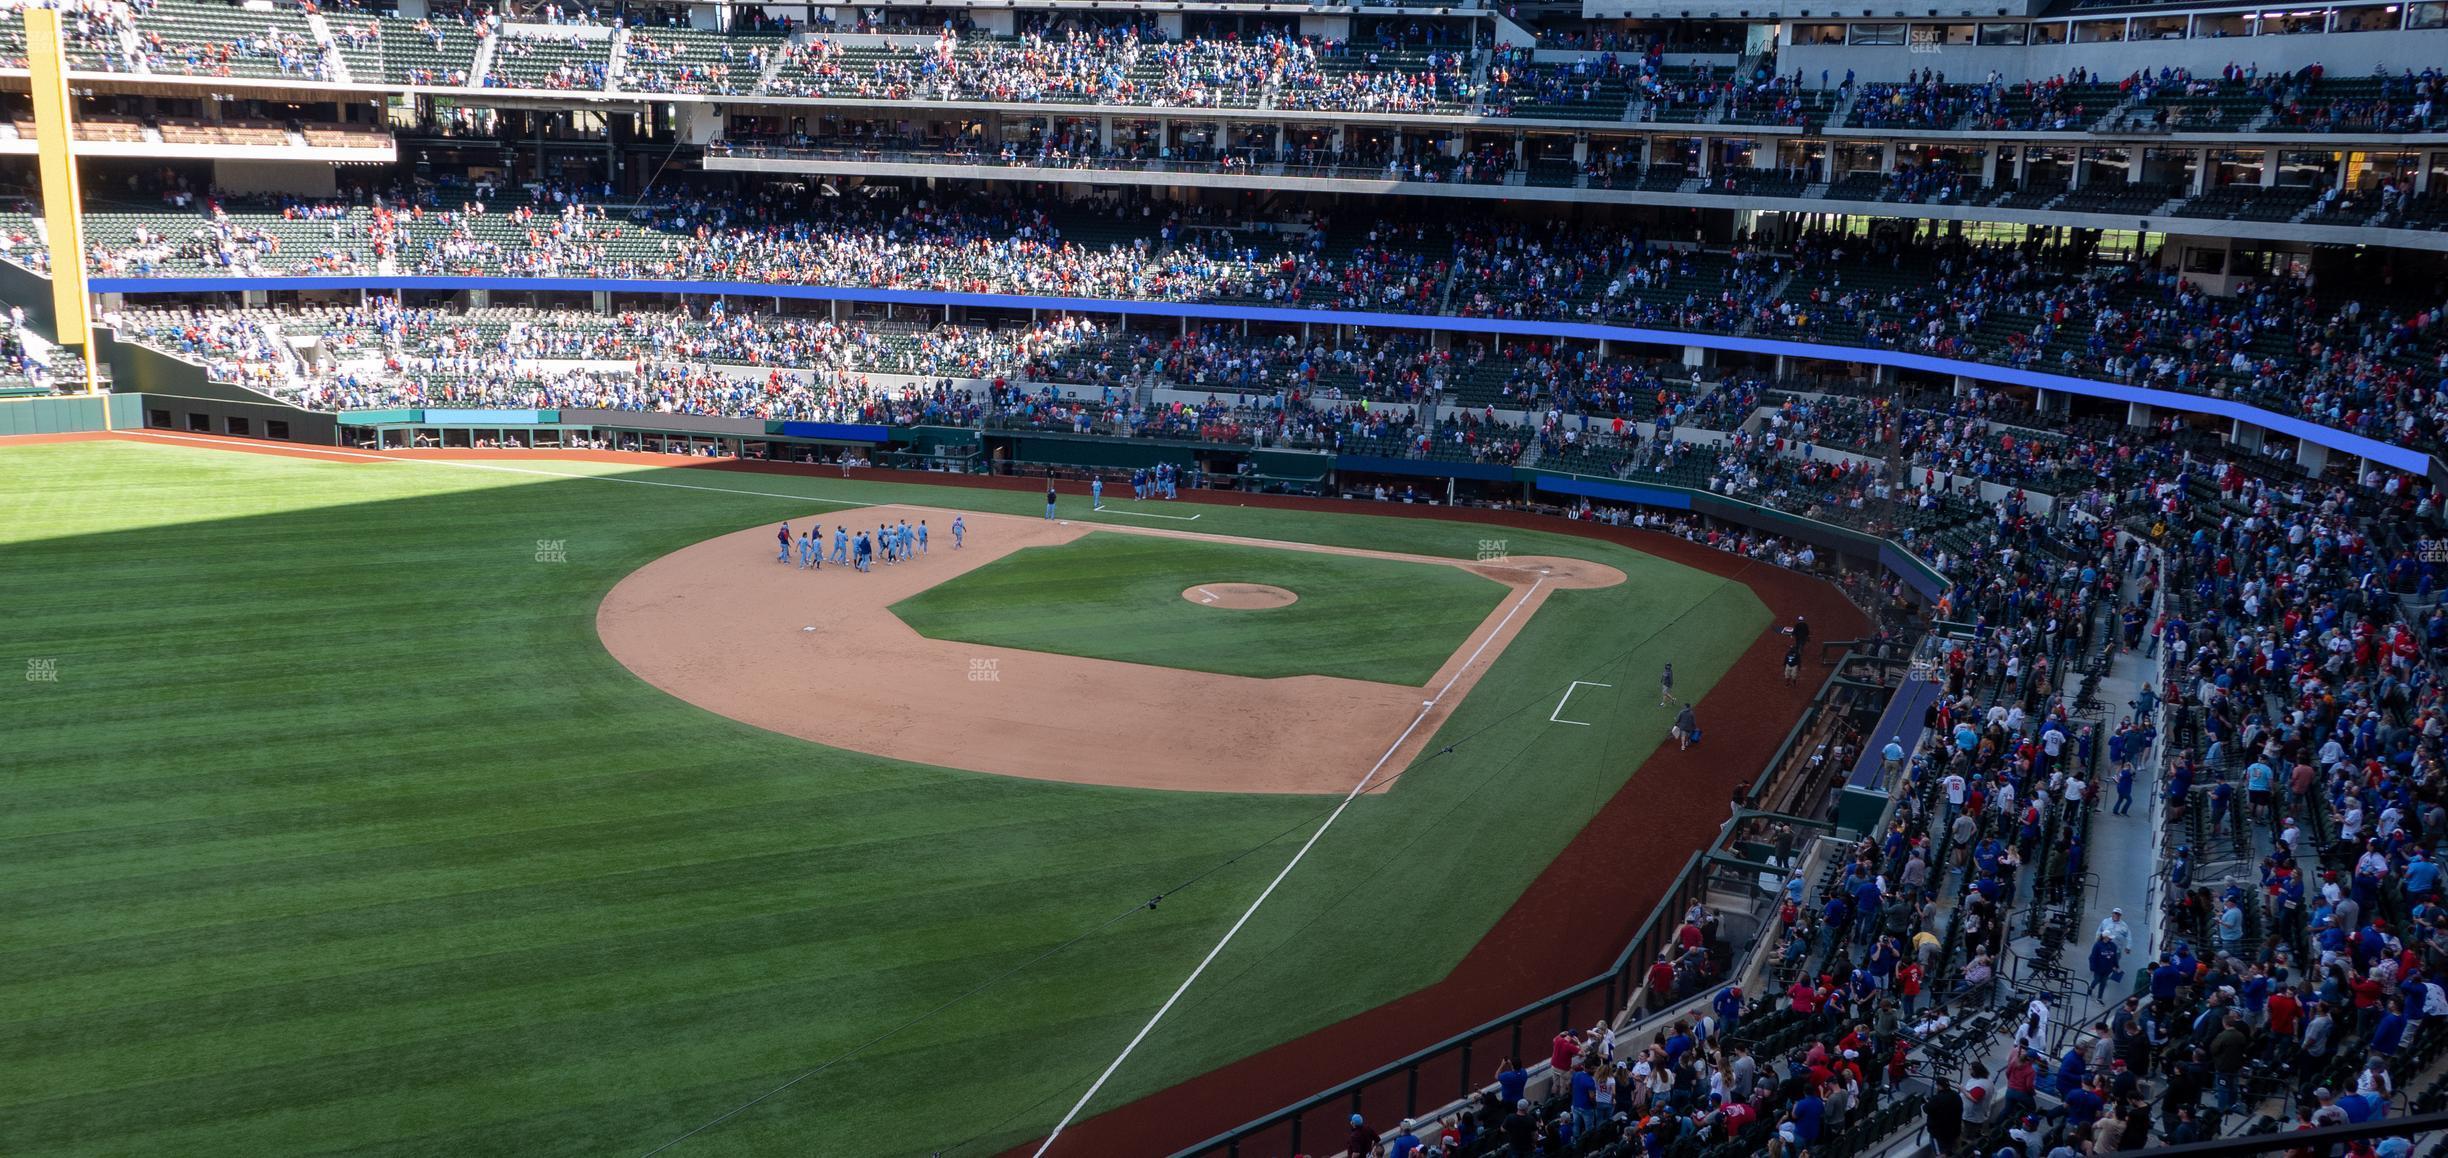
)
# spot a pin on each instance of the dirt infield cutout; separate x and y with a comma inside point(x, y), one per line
point(817, 654)
point(1240, 596)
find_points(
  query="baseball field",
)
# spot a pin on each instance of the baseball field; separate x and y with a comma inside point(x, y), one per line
point(530, 807)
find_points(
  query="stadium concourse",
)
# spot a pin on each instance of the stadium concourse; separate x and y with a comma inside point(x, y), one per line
point(2090, 357)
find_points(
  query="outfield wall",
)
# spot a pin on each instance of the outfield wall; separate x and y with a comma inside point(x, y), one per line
point(249, 416)
point(2395, 457)
point(69, 414)
point(1039, 449)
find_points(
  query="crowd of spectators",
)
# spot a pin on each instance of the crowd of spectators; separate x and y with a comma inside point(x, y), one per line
point(652, 65)
point(2368, 367)
point(2067, 102)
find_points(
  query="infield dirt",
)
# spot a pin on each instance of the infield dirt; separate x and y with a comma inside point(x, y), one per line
point(1240, 596)
point(817, 654)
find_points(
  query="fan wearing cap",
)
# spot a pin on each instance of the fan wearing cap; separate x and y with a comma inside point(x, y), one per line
point(1406, 1140)
point(2329, 1113)
point(1363, 1140)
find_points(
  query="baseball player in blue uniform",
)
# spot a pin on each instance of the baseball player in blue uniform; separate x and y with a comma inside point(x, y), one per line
point(841, 544)
point(959, 531)
point(812, 549)
point(807, 550)
point(784, 535)
point(922, 537)
point(1096, 493)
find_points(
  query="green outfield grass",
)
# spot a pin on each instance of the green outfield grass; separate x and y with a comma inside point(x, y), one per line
point(339, 832)
point(1119, 597)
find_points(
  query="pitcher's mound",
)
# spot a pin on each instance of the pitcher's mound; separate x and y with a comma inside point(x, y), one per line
point(1239, 596)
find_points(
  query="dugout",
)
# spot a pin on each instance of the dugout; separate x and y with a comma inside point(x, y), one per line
point(1034, 452)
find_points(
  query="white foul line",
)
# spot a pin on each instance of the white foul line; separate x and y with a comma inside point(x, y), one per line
point(1554, 717)
point(1289, 865)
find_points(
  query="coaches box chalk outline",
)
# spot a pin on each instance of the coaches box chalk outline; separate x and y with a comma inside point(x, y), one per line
point(1557, 716)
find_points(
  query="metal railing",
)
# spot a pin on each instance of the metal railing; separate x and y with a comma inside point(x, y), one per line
point(1451, 1071)
point(1455, 1068)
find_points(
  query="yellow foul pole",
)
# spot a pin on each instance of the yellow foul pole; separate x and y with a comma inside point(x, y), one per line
point(62, 202)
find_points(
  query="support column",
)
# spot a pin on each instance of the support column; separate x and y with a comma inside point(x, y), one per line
point(2139, 415)
point(2244, 435)
point(601, 300)
point(63, 202)
point(2201, 172)
point(2311, 456)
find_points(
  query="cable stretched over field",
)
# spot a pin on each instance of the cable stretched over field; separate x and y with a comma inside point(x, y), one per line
point(1373, 781)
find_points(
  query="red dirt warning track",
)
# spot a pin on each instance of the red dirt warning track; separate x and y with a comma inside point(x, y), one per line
point(1567, 926)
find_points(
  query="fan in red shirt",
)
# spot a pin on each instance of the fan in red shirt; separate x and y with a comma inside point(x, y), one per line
point(2285, 1014)
point(1661, 981)
point(1566, 1048)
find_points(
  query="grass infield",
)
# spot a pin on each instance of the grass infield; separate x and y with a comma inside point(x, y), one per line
point(334, 829)
point(1119, 597)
